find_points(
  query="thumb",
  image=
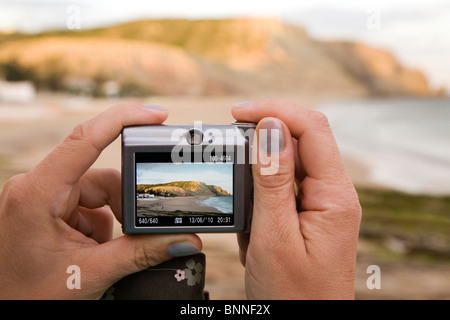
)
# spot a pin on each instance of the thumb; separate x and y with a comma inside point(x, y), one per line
point(273, 178)
point(129, 254)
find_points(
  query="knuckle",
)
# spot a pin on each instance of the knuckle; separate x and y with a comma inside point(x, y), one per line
point(277, 173)
point(13, 192)
point(11, 182)
point(355, 210)
point(83, 133)
point(353, 204)
point(320, 120)
point(274, 102)
point(349, 207)
point(113, 174)
point(147, 256)
point(106, 219)
point(274, 181)
point(80, 132)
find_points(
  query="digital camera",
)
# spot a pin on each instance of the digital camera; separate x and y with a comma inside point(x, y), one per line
point(187, 178)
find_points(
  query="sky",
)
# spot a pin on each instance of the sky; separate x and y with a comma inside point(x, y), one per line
point(218, 174)
point(416, 31)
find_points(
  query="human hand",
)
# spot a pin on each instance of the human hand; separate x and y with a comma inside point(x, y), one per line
point(53, 217)
point(300, 246)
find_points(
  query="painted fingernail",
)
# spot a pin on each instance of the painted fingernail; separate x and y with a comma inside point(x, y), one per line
point(242, 104)
point(181, 249)
point(154, 107)
point(271, 135)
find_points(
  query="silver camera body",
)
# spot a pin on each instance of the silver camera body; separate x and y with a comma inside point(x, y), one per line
point(187, 178)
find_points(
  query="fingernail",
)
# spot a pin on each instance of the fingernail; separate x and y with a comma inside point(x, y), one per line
point(242, 104)
point(181, 249)
point(154, 107)
point(271, 135)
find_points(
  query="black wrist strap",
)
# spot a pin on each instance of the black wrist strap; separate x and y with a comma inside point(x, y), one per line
point(181, 278)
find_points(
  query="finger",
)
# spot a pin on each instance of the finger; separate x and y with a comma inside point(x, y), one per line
point(97, 188)
point(125, 255)
point(96, 223)
point(299, 171)
point(71, 159)
point(275, 217)
point(243, 242)
point(328, 200)
point(100, 187)
point(317, 148)
point(325, 179)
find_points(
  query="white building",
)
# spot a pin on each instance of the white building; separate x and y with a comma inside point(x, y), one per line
point(18, 92)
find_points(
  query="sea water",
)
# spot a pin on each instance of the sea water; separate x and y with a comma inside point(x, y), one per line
point(223, 203)
point(404, 143)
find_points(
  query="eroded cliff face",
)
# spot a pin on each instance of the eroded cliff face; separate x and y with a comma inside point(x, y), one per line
point(379, 70)
point(211, 57)
point(182, 189)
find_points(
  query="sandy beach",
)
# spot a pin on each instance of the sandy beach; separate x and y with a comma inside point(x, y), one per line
point(162, 206)
point(29, 132)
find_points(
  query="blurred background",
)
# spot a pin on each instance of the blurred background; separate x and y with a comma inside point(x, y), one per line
point(379, 70)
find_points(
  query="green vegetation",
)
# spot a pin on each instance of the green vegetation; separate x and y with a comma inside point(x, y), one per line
point(406, 225)
point(203, 37)
point(51, 75)
point(13, 71)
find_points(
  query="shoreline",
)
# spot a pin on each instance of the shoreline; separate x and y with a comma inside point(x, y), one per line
point(407, 153)
point(176, 205)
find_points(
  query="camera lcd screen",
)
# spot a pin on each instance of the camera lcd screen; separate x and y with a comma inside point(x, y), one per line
point(183, 194)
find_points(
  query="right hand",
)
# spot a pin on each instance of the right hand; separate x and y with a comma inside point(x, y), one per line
point(300, 246)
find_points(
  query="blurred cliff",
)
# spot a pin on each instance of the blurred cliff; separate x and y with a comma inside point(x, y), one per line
point(203, 57)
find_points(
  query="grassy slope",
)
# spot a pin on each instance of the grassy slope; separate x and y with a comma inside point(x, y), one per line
point(268, 54)
point(407, 225)
point(198, 36)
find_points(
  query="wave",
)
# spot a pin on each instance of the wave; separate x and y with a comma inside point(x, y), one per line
point(223, 204)
point(403, 143)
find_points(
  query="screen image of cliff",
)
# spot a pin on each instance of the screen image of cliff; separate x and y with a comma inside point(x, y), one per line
point(168, 189)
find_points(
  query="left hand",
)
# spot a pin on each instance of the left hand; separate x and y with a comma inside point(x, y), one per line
point(53, 217)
